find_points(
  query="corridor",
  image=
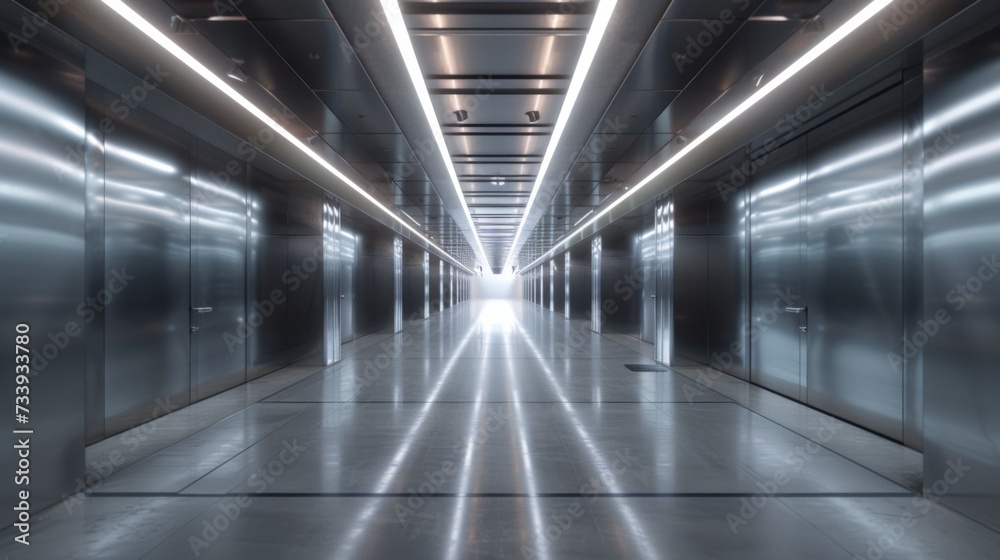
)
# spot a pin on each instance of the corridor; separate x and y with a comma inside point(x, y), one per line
point(498, 429)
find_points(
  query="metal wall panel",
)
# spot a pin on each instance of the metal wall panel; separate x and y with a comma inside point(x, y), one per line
point(349, 252)
point(42, 213)
point(434, 284)
point(962, 287)
point(414, 283)
point(596, 313)
point(566, 283)
point(374, 292)
point(331, 280)
point(94, 263)
point(558, 286)
point(147, 242)
point(776, 271)
point(285, 257)
point(854, 269)
point(664, 218)
point(580, 282)
point(218, 273)
point(646, 263)
point(618, 282)
point(397, 276)
point(690, 296)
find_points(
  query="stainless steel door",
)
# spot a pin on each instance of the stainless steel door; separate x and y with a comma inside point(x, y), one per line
point(776, 339)
point(854, 268)
point(664, 271)
point(348, 263)
point(218, 275)
point(147, 243)
point(595, 285)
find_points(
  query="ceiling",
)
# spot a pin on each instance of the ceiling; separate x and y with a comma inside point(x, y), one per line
point(498, 73)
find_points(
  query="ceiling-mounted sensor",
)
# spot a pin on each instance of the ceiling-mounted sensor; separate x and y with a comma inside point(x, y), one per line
point(462, 115)
point(181, 26)
point(237, 73)
point(814, 25)
point(534, 116)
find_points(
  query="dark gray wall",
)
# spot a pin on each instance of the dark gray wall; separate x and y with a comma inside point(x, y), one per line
point(579, 282)
point(42, 210)
point(961, 315)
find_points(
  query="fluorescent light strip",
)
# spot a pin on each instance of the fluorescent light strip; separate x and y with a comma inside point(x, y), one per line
point(157, 36)
point(600, 24)
point(867, 13)
point(395, 18)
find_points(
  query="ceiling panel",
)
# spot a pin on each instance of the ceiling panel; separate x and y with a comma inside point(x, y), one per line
point(362, 111)
point(476, 55)
point(674, 56)
point(318, 52)
point(495, 144)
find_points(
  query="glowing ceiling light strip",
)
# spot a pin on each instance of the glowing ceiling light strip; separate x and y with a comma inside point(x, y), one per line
point(867, 13)
point(600, 24)
point(173, 48)
point(395, 18)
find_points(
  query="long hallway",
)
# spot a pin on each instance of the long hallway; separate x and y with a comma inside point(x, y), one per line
point(497, 429)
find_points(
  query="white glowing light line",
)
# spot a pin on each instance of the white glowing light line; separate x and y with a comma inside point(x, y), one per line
point(395, 18)
point(826, 44)
point(600, 24)
point(173, 48)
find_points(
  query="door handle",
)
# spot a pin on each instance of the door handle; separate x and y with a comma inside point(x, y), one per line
point(795, 310)
point(200, 310)
point(654, 297)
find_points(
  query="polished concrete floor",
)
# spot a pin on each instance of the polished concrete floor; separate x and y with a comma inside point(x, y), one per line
point(500, 430)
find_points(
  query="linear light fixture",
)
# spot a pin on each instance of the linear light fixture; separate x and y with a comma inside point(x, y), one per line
point(191, 62)
point(597, 28)
point(394, 15)
point(842, 32)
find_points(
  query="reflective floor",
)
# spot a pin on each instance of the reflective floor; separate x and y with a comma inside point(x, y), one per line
point(493, 430)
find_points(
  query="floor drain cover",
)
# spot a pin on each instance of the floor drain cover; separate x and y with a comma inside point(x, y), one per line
point(646, 367)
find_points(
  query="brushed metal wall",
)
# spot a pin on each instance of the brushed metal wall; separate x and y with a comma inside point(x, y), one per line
point(42, 210)
point(415, 282)
point(286, 252)
point(349, 252)
point(776, 239)
point(147, 166)
point(580, 282)
point(645, 262)
point(962, 288)
point(664, 223)
point(853, 272)
point(331, 280)
point(596, 313)
point(558, 285)
point(218, 273)
point(434, 284)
